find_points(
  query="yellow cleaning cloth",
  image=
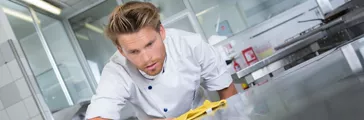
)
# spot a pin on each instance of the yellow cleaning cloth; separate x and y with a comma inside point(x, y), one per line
point(202, 110)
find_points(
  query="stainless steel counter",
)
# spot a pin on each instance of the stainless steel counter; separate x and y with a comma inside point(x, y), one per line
point(327, 87)
point(313, 41)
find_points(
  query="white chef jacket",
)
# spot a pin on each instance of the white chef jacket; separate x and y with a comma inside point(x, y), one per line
point(172, 92)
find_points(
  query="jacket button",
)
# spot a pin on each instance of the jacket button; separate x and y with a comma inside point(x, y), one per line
point(165, 109)
point(150, 87)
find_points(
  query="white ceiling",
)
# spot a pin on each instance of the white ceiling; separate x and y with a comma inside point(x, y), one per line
point(71, 6)
point(70, 2)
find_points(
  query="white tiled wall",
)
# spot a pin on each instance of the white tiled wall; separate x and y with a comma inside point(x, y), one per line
point(32, 108)
point(23, 88)
point(3, 115)
point(5, 77)
point(17, 111)
point(16, 100)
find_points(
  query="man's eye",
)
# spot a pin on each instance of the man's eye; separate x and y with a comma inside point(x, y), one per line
point(149, 44)
point(134, 52)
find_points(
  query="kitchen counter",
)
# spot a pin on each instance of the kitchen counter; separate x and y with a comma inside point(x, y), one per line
point(327, 87)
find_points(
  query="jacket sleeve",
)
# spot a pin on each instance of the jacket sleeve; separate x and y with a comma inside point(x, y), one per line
point(111, 94)
point(213, 67)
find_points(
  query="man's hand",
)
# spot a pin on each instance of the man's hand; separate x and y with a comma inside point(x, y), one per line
point(227, 92)
point(98, 118)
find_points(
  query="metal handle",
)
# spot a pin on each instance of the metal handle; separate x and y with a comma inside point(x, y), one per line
point(33, 89)
point(271, 28)
point(310, 20)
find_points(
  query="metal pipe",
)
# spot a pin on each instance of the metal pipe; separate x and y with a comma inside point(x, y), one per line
point(314, 31)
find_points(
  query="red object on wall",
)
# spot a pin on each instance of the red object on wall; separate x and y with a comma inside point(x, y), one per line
point(249, 56)
point(237, 67)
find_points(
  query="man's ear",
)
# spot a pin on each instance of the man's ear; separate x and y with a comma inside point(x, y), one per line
point(121, 51)
point(162, 32)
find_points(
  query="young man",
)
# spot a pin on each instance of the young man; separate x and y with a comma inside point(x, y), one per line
point(157, 70)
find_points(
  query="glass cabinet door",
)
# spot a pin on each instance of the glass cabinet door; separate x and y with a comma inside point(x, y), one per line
point(183, 23)
point(26, 34)
point(65, 58)
point(88, 28)
point(60, 87)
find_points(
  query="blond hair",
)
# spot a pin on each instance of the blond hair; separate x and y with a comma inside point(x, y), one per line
point(130, 18)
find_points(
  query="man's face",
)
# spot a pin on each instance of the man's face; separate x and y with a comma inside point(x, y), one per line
point(145, 49)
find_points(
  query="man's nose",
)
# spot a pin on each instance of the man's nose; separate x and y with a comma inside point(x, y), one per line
point(145, 56)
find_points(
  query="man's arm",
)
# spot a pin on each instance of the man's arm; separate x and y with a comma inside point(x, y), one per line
point(111, 94)
point(213, 68)
point(227, 92)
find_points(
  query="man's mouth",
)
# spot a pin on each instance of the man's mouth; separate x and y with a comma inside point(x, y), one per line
point(151, 66)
